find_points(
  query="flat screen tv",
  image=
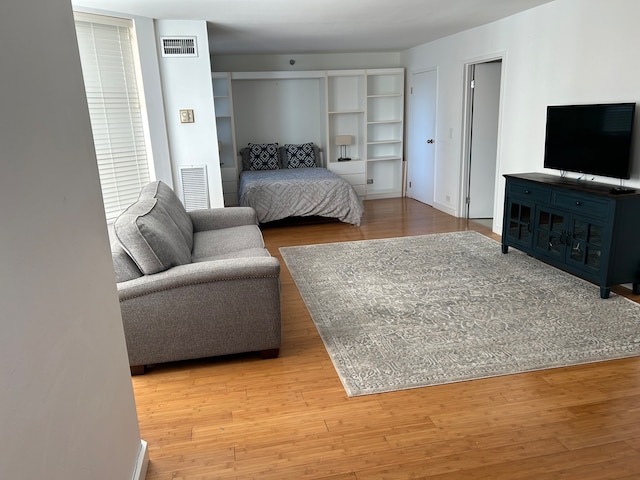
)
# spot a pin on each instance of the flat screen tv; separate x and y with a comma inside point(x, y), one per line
point(592, 139)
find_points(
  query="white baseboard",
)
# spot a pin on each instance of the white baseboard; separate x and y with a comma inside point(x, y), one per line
point(142, 462)
point(444, 208)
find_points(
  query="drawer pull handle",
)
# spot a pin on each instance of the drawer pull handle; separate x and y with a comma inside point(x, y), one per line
point(527, 192)
point(578, 203)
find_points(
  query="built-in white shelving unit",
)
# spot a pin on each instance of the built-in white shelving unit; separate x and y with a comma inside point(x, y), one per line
point(369, 106)
point(346, 114)
point(223, 102)
point(385, 132)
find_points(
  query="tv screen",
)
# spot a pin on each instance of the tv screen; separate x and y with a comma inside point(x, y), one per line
point(593, 139)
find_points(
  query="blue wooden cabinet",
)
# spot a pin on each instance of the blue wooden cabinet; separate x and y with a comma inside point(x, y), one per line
point(582, 227)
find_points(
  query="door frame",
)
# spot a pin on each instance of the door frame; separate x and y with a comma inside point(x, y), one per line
point(467, 117)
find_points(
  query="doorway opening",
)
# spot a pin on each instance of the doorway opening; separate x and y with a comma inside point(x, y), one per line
point(483, 81)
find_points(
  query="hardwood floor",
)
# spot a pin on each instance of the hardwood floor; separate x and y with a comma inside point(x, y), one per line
point(241, 417)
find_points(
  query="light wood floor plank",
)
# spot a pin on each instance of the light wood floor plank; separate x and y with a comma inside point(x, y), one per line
point(240, 417)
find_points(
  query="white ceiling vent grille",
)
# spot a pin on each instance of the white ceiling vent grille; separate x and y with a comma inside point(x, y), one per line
point(195, 189)
point(179, 47)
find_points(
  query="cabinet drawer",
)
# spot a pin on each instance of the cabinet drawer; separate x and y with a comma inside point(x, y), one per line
point(228, 174)
point(231, 199)
point(575, 203)
point(354, 179)
point(228, 187)
point(361, 190)
point(341, 168)
point(529, 191)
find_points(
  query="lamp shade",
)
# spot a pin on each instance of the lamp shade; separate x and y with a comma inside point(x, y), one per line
point(344, 140)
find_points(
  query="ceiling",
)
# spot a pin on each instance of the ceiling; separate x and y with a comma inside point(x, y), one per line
point(321, 26)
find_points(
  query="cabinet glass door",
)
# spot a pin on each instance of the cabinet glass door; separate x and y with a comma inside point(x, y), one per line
point(550, 233)
point(519, 223)
point(586, 244)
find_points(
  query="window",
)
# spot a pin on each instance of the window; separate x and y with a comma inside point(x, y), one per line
point(115, 108)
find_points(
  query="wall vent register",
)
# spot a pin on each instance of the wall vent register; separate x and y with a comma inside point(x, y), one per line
point(179, 46)
point(195, 190)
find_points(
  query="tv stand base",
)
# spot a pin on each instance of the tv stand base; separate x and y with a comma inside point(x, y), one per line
point(584, 228)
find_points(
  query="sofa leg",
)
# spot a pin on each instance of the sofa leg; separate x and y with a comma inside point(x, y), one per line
point(271, 353)
point(138, 370)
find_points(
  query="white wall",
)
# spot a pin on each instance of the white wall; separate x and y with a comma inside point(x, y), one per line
point(153, 98)
point(566, 51)
point(280, 111)
point(187, 84)
point(313, 61)
point(67, 410)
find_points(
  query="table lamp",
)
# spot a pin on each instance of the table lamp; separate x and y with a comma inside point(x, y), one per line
point(343, 141)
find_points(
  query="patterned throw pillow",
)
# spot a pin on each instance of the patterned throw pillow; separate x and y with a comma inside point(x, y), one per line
point(300, 156)
point(264, 156)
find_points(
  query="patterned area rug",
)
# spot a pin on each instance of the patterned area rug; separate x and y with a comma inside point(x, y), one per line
point(416, 311)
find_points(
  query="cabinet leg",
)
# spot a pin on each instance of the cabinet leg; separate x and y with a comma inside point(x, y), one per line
point(636, 289)
point(505, 248)
point(604, 292)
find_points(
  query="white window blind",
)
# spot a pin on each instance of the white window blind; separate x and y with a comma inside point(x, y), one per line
point(106, 54)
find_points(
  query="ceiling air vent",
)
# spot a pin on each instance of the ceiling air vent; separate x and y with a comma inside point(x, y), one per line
point(179, 47)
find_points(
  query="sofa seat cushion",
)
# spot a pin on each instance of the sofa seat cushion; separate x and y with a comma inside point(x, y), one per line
point(226, 241)
point(247, 253)
point(151, 238)
point(174, 207)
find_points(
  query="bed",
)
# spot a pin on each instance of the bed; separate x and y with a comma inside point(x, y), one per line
point(289, 183)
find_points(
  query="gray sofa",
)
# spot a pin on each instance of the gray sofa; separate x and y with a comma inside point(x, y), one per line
point(193, 284)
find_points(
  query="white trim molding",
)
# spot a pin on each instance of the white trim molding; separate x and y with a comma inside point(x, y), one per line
point(142, 463)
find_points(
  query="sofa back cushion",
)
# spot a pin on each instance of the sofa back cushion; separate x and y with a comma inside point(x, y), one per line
point(174, 207)
point(151, 237)
point(123, 264)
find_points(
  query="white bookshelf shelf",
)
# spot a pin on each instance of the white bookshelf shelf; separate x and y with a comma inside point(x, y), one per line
point(369, 106)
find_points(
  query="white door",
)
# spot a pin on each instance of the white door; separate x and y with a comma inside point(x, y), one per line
point(484, 139)
point(421, 136)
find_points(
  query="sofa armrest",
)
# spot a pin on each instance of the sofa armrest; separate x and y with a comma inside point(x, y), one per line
point(217, 218)
point(199, 273)
point(205, 309)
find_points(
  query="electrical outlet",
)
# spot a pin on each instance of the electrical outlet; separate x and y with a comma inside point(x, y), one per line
point(186, 116)
point(369, 181)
